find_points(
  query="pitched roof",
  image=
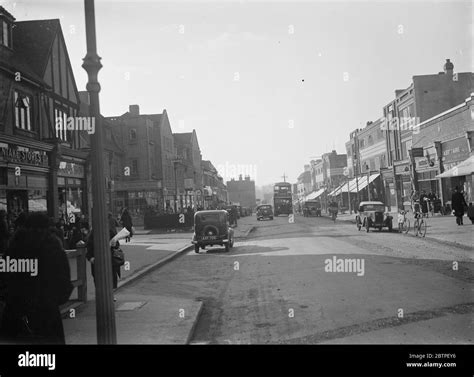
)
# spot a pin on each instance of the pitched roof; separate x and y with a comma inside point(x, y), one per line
point(183, 138)
point(32, 41)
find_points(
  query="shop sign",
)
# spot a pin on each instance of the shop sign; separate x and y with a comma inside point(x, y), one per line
point(70, 169)
point(23, 155)
point(455, 150)
point(402, 170)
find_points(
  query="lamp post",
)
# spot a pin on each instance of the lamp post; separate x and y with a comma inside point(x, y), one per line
point(368, 180)
point(105, 310)
point(175, 165)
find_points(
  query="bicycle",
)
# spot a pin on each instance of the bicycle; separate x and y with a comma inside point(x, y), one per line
point(333, 216)
point(420, 225)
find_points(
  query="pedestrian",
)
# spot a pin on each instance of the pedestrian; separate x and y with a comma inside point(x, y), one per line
point(113, 223)
point(61, 229)
point(126, 221)
point(33, 297)
point(90, 255)
point(458, 203)
point(4, 232)
point(470, 212)
point(424, 202)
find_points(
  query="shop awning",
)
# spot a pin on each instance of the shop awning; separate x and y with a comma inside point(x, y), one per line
point(313, 195)
point(337, 191)
point(354, 184)
point(364, 183)
point(464, 168)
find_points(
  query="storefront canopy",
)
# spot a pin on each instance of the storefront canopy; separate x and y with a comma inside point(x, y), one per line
point(354, 184)
point(314, 195)
point(464, 168)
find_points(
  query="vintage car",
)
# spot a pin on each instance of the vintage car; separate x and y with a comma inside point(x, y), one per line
point(212, 228)
point(373, 215)
point(312, 208)
point(264, 211)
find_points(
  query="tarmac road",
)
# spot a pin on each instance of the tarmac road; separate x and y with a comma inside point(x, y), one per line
point(276, 286)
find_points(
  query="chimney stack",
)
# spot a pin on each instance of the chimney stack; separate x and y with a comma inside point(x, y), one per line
point(134, 110)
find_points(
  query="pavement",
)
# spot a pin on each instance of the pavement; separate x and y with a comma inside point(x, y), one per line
point(440, 228)
point(152, 319)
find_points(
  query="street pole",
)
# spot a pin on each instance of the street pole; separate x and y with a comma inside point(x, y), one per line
point(368, 184)
point(105, 310)
point(349, 196)
point(175, 188)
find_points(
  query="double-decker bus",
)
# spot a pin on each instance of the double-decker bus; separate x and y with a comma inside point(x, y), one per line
point(282, 199)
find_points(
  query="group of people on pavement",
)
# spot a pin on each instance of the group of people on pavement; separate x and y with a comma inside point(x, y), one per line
point(30, 302)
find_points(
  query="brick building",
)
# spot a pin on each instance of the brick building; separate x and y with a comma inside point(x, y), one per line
point(243, 191)
point(215, 191)
point(146, 178)
point(189, 169)
point(427, 96)
point(445, 141)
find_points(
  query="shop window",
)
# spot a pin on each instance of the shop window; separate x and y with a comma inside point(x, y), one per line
point(22, 111)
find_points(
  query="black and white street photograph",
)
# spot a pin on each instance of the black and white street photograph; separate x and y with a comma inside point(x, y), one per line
point(291, 175)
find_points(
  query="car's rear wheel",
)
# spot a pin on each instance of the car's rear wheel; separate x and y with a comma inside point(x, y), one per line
point(390, 226)
point(196, 248)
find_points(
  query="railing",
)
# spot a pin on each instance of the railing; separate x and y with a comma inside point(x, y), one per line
point(77, 263)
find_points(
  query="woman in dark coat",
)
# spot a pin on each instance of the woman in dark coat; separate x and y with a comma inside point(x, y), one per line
point(458, 203)
point(91, 257)
point(32, 302)
point(126, 221)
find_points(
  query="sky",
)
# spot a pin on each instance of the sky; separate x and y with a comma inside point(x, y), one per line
point(267, 85)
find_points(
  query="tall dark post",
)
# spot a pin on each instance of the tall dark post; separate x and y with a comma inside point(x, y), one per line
point(105, 311)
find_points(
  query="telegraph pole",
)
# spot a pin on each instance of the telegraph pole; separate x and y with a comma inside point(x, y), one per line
point(105, 310)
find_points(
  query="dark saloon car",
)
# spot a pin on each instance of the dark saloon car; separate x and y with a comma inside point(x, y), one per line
point(264, 211)
point(212, 228)
point(373, 215)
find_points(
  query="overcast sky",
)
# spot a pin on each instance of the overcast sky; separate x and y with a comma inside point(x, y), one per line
point(267, 85)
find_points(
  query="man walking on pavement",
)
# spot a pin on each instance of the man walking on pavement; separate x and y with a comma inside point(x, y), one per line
point(458, 203)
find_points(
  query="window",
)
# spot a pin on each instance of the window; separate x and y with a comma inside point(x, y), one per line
point(5, 34)
point(22, 111)
point(132, 134)
point(370, 140)
point(361, 143)
point(134, 167)
point(60, 123)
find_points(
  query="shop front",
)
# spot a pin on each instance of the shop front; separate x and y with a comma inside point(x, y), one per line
point(455, 152)
point(403, 184)
point(72, 189)
point(23, 179)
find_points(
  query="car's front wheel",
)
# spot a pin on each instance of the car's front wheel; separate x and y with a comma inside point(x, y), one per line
point(227, 247)
point(196, 248)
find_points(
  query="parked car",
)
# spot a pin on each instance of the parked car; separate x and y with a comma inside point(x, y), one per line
point(264, 211)
point(212, 228)
point(312, 208)
point(373, 215)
